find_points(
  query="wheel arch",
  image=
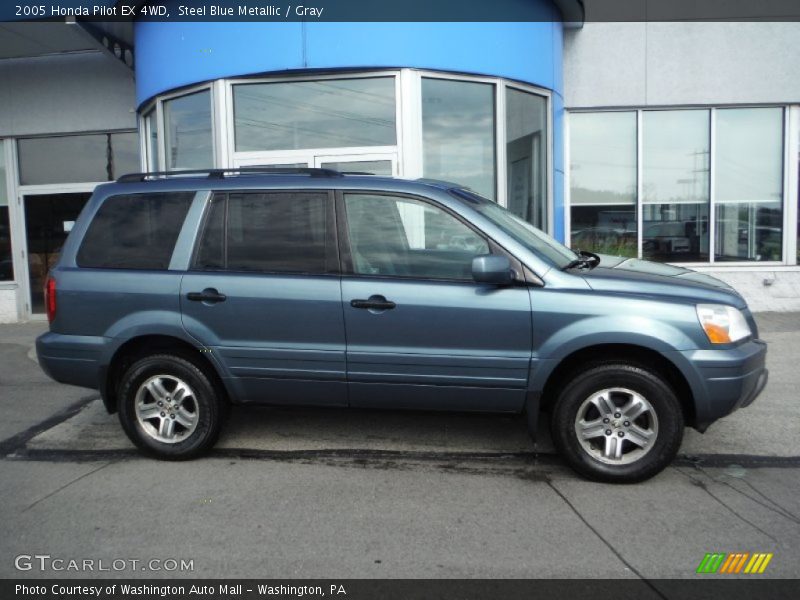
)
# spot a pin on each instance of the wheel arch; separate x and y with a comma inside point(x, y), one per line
point(618, 352)
point(144, 345)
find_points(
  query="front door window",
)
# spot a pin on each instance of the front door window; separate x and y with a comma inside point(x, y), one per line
point(398, 236)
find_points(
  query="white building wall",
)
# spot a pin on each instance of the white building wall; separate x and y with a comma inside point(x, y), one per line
point(657, 64)
point(8, 305)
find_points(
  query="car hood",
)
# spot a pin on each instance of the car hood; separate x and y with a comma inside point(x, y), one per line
point(631, 275)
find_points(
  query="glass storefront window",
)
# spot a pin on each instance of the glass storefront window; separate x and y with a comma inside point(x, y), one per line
point(314, 114)
point(748, 178)
point(603, 182)
point(187, 121)
point(526, 156)
point(351, 123)
point(151, 133)
point(675, 185)
point(124, 154)
point(458, 133)
point(373, 167)
point(6, 264)
point(48, 221)
point(77, 158)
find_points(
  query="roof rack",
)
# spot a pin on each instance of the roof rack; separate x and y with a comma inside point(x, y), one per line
point(222, 173)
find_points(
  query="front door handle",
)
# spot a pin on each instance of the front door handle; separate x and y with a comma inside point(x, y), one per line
point(373, 303)
point(209, 295)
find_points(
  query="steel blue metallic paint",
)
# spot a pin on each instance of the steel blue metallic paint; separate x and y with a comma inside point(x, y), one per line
point(445, 345)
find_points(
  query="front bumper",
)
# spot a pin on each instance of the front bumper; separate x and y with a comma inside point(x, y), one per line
point(725, 380)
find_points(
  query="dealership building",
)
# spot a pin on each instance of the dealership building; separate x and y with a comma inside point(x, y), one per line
point(676, 142)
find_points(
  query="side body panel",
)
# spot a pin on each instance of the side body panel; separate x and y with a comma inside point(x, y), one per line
point(445, 345)
point(279, 337)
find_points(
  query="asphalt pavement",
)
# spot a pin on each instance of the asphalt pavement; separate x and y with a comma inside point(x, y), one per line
point(322, 493)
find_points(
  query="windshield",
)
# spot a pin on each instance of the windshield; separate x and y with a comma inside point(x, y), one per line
point(523, 232)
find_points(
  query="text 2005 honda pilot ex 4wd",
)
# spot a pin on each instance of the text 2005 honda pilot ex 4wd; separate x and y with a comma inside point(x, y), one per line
point(177, 295)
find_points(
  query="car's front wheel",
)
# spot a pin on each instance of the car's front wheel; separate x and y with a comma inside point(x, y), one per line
point(617, 423)
point(169, 408)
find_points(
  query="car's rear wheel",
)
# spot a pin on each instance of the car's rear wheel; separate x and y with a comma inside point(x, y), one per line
point(617, 423)
point(169, 407)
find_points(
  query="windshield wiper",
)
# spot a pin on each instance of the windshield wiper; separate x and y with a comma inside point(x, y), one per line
point(585, 259)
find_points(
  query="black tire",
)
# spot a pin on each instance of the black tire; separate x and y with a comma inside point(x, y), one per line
point(206, 400)
point(587, 383)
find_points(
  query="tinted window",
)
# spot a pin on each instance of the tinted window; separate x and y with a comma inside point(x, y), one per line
point(278, 232)
point(534, 239)
point(136, 231)
point(407, 238)
point(77, 158)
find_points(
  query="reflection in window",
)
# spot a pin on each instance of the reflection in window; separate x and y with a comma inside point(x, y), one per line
point(6, 265)
point(278, 232)
point(603, 182)
point(458, 130)
point(151, 133)
point(48, 221)
point(526, 160)
point(124, 157)
point(675, 185)
point(749, 184)
point(135, 231)
point(315, 114)
point(373, 167)
point(187, 121)
point(402, 237)
point(77, 158)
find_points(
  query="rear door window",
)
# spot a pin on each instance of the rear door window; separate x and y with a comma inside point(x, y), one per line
point(135, 231)
point(272, 232)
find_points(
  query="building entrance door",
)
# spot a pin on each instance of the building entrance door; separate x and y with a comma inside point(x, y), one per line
point(48, 220)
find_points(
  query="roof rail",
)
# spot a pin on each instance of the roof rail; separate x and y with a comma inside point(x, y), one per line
point(222, 173)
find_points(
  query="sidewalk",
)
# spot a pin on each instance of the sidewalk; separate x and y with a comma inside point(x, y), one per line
point(359, 494)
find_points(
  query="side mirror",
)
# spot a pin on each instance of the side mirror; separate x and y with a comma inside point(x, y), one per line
point(493, 269)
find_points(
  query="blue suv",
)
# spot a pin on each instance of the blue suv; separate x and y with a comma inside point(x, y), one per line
point(177, 295)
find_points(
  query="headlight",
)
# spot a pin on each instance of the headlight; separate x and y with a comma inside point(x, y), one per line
point(722, 324)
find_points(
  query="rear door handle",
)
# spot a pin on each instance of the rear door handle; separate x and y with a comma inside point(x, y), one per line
point(207, 295)
point(373, 303)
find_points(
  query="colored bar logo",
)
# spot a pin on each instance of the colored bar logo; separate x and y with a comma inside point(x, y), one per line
point(734, 563)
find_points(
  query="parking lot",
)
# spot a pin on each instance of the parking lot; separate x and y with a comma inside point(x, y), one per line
point(302, 493)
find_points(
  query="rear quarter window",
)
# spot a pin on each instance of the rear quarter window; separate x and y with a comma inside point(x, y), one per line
point(135, 231)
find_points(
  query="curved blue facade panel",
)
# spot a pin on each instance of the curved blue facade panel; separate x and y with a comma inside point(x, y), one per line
point(172, 55)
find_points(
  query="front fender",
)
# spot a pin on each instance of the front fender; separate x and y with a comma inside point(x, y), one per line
point(631, 330)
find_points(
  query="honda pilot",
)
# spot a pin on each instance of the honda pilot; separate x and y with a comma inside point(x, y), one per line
point(177, 295)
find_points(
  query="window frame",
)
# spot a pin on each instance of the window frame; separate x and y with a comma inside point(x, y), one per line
point(332, 252)
point(345, 254)
point(786, 132)
point(408, 149)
